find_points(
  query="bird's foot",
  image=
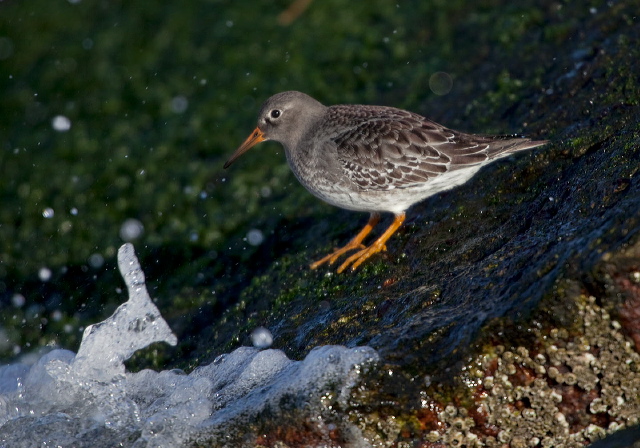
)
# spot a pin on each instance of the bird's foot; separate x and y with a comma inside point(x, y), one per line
point(333, 256)
point(355, 243)
point(359, 257)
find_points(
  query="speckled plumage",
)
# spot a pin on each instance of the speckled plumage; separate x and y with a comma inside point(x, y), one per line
point(372, 158)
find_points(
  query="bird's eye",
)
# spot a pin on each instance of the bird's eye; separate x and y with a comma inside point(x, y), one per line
point(275, 113)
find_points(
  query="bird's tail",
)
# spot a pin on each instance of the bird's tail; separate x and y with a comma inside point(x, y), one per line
point(503, 145)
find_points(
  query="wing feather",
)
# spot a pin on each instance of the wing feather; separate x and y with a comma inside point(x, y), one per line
point(382, 148)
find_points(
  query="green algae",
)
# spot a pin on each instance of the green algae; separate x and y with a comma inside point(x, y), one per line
point(120, 72)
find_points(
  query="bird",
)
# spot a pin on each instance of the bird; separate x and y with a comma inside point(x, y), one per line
point(375, 159)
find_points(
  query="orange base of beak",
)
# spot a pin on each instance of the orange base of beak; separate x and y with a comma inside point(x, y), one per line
point(256, 137)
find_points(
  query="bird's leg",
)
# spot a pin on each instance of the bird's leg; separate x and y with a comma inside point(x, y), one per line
point(355, 243)
point(377, 246)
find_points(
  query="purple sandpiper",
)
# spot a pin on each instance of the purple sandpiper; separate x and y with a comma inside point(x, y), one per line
point(372, 158)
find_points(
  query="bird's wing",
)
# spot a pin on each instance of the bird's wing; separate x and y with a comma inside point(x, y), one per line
point(382, 148)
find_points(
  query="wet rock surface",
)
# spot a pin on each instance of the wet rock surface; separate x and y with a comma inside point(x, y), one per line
point(505, 312)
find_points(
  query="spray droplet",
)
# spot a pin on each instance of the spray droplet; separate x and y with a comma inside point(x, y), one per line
point(261, 337)
point(61, 123)
point(131, 229)
point(255, 237)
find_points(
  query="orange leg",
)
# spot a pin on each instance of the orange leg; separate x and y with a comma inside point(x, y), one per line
point(355, 243)
point(377, 246)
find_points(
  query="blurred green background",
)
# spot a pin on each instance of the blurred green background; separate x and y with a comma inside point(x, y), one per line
point(126, 110)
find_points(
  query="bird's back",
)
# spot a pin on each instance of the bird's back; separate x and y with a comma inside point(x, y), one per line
point(407, 147)
point(362, 155)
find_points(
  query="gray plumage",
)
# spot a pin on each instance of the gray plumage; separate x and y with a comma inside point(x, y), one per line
point(371, 158)
point(375, 158)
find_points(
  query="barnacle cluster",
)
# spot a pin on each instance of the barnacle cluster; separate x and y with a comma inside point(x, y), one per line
point(575, 388)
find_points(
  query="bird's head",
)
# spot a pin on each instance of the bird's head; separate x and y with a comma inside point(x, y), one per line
point(283, 118)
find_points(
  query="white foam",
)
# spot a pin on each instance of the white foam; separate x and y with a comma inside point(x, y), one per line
point(134, 325)
point(87, 399)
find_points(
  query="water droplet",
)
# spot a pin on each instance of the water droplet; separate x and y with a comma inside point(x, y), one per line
point(261, 337)
point(18, 300)
point(179, 104)
point(131, 229)
point(440, 83)
point(96, 261)
point(48, 212)
point(265, 191)
point(61, 123)
point(255, 237)
point(44, 274)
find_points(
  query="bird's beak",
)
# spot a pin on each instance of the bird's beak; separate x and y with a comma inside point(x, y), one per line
point(256, 137)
